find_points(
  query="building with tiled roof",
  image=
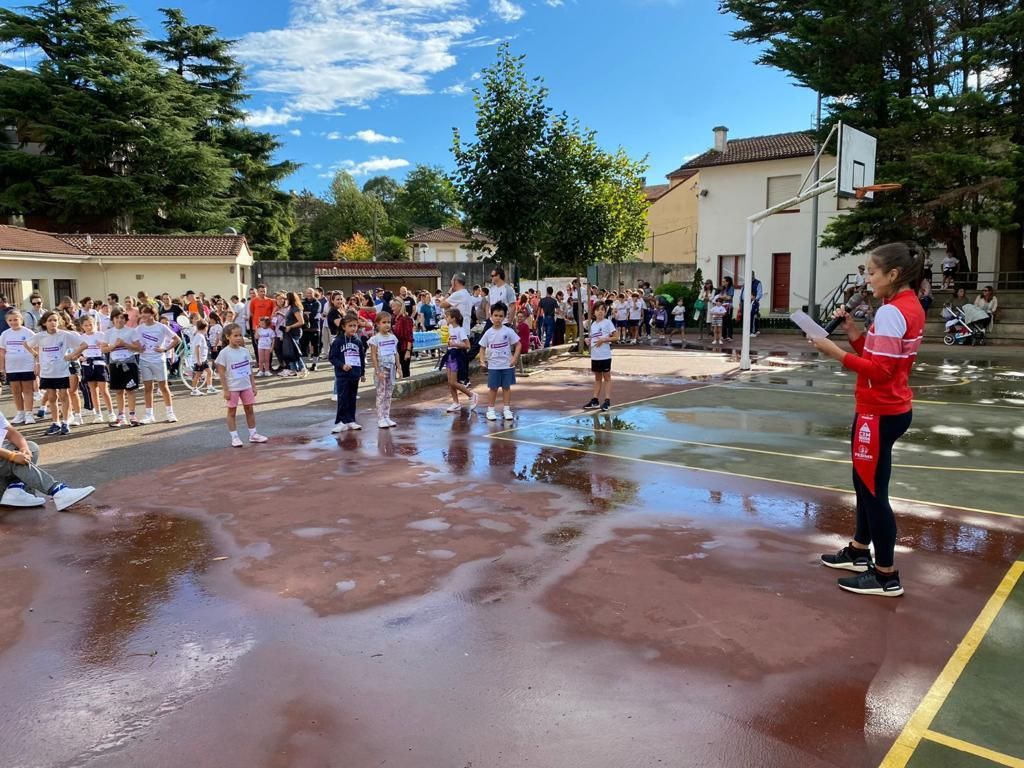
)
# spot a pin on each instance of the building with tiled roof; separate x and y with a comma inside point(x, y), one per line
point(756, 149)
point(671, 221)
point(77, 265)
point(653, 191)
point(351, 276)
point(450, 244)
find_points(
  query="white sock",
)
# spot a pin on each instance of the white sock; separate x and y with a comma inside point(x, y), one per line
point(149, 411)
point(234, 435)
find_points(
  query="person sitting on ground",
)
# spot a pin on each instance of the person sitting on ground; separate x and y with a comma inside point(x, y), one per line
point(23, 477)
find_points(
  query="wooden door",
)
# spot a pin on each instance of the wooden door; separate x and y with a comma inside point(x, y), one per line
point(780, 282)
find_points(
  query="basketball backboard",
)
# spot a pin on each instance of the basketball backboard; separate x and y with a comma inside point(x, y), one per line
point(856, 162)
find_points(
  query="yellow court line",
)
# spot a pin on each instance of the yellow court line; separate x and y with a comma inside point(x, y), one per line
point(973, 749)
point(917, 727)
point(847, 394)
point(793, 455)
point(844, 491)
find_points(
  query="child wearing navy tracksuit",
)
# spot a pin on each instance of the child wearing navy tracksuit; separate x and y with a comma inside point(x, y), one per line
point(348, 356)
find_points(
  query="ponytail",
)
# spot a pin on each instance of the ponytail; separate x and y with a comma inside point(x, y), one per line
point(906, 258)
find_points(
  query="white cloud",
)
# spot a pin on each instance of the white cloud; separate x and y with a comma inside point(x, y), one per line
point(475, 76)
point(372, 137)
point(295, 132)
point(554, 3)
point(260, 118)
point(366, 167)
point(506, 10)
point(348, 52)
point(459, 89)
point(334, 136)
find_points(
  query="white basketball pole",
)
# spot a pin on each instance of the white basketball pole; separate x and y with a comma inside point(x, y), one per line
point(753, 224)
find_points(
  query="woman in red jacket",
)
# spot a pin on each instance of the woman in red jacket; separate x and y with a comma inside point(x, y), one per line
point(882, 361)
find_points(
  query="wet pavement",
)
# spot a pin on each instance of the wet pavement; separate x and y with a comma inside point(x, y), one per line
point(452, 593)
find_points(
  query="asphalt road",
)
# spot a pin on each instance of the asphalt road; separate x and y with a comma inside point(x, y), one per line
point(97, 454)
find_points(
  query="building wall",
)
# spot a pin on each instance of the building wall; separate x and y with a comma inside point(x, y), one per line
point(442, 253)
point(672, 225)
point(154, 278)
point(734, 192)
point(627, 276)
point(26, 273)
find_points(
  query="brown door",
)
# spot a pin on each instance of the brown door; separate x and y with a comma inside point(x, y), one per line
point(780, 282)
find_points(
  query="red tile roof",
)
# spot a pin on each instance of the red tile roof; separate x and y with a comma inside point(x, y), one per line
point(375, 269)
point(449, 235)
point(778, 146)
point(31, 241)
point(158, 246)
point(654, 191)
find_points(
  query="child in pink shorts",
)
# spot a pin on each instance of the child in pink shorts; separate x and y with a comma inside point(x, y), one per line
point(234, 366)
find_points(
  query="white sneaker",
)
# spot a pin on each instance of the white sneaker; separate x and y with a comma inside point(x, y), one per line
point(384, 424)
point(76, 420)
point(170, 418)
point(474, 401)
point(392, 423)
point(197, 393)
point(30, 419)
point(212, 391)
point(339, 428)
point(507, 413)
point(492, 415)
point(236, 442)
point(65, 497)
point(19, 497)
point(353, 426)
point(453, 408)
point(99, 418)
point(256, 437)
point(19, 419)
point(147, 419)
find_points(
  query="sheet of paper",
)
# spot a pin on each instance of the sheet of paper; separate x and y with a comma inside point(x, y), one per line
point(807, 325)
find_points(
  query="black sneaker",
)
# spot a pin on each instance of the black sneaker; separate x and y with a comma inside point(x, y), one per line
point(65, 429)
point(594, 403)
point(849, 559)
point(872, 582)
point(54, 429)
point(606, 405)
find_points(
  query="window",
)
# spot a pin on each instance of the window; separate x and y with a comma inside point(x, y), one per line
point(11, 290)
point(62, 288)
point(730, 266)
point(781, 189)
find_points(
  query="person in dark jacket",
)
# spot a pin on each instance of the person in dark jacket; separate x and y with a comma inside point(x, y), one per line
point(402, 327)
point(348, 356)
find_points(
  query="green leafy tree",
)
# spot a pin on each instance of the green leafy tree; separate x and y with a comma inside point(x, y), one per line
point(909, 72)
point(308, 209)
point(393, 248)
point(427, 200)
point(113, 130)
point(501, 175)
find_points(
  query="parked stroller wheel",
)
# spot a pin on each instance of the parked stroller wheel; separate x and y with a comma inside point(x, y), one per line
point(949, 340)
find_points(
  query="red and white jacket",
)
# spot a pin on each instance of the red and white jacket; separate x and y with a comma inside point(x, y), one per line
point(885, 356)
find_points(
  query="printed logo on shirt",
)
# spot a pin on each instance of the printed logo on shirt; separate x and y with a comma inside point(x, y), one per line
point(154, 339)
point(239, 366)
point(864, 453)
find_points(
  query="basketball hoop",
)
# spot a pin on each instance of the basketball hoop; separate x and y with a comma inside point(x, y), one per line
point(861, 192)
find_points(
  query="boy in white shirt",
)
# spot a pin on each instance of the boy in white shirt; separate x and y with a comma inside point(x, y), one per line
point(121, 347)
point(200, 361)
point(155, 340)
point(499, 353)
point(600, 337)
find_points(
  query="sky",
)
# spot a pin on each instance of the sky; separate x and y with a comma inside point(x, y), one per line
point(376, 86)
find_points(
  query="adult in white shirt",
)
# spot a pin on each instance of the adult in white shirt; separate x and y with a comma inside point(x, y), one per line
point(460, 299)
point(500, 291)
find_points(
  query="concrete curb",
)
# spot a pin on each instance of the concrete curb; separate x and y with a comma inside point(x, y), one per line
point(412, 385)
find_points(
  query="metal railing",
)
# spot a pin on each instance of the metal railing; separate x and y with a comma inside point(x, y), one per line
point(835, 299)
point(975, 281)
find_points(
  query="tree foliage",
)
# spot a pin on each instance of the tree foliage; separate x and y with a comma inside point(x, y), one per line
point(110, 138)
point(356, 248)
point(427, 200)
point(939, 84)
point(539, 183)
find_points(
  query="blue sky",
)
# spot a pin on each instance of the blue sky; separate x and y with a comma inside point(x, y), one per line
point(377, 85)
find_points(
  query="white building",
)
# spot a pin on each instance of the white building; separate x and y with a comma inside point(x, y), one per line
point(450, 244)
point(739, 177)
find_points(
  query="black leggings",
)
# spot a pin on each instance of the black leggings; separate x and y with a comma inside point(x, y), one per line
point(876, 522)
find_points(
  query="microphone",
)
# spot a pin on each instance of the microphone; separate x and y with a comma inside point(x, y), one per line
point(835, 322)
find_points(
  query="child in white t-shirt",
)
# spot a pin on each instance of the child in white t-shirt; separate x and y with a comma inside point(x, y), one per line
point(55, 349)
point(95, 371)
point(265, 336)
point(19, 365)
point(717, 315)
point(200, 360)
point(599, 338)
point(678, 321)
point(384, 359)
point(500, 348)
point(234, 366)
point(458, 345)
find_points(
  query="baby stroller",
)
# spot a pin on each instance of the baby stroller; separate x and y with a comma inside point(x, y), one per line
point(964, 324)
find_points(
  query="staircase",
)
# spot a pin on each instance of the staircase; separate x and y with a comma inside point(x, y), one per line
point(1007, 329)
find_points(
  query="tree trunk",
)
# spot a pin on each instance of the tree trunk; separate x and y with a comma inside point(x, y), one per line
point(973, 240)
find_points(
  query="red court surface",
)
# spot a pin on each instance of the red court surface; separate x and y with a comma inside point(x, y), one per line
point(567, 590)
